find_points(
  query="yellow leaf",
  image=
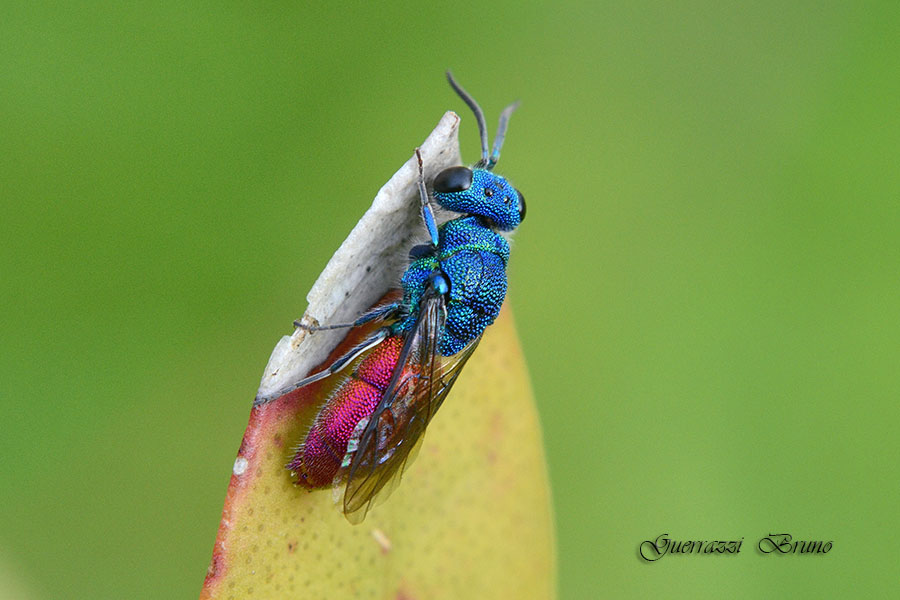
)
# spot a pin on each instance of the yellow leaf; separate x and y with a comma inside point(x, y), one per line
point(472, 516)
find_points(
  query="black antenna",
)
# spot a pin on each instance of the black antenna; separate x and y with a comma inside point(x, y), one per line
point(479, 115)
point(501, 133)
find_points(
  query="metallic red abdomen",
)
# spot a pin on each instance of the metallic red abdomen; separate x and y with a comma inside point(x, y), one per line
point(319, 456)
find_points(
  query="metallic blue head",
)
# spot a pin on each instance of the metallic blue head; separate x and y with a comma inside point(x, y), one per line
point(478, 191)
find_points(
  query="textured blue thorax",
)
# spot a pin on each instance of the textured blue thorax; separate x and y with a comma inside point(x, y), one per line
point(473, 258)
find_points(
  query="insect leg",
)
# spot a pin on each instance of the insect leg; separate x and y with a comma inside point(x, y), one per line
point(427, 212)
point(376, 313)
point(379, 336)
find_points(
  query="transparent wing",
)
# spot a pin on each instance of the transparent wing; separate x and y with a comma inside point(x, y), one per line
point(391, 438)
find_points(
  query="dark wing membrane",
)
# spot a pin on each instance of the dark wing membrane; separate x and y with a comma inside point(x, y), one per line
point(389, 441)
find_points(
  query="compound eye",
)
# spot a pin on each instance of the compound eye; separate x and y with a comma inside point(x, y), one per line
point(521, 206)
point(454, 179)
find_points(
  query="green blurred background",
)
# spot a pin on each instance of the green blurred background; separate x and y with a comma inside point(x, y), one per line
point(706, 286)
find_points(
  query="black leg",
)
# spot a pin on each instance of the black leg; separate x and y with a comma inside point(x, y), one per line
point(379, 312)
point(379, 336)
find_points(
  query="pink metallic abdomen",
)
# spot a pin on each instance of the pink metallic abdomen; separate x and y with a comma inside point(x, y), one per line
point(319, 456)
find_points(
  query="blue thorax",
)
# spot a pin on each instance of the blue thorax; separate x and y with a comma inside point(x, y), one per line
point(473, 258)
